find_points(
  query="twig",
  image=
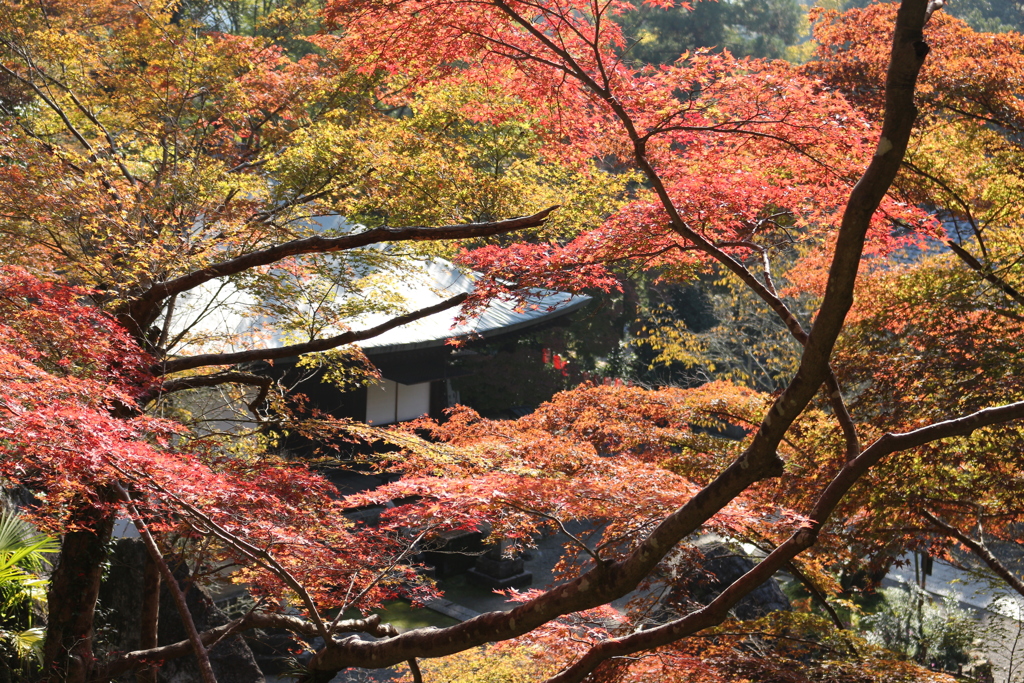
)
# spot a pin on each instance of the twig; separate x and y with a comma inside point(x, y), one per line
point(380, 576)
point(561, 526)
point(417, 675)
point(813, 589)
point(261, 556)
point(267, 559)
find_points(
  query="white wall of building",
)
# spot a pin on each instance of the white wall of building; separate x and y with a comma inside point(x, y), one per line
point(388, 402)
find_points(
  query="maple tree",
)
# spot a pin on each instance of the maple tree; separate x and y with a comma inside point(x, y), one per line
point(143, 160)
point(915, 329)
point(963, 160)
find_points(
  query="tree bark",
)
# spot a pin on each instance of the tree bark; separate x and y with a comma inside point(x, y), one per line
point(150, 617)
point(74, 588)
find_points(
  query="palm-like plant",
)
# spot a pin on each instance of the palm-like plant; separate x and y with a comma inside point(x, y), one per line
point(22, 557)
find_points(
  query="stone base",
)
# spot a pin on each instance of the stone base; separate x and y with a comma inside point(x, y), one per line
point(459, 551)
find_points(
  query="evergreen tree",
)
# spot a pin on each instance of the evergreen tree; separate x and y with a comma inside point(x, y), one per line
point(743, 27)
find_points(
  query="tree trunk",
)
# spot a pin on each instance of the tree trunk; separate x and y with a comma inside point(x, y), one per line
point(150, 616)
point(71, 601)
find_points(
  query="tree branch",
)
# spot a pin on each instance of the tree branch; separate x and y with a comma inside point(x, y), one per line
point(129, 661)
point(261, 556)
point(986, 272)
point(150, 617)
point(414, 668)
point(718, 609)
point(978, 548)
point(177, 365)
point(759, 460)
point(813, 589)
point(577, 541)
point(139, 309)
point(907, 56)
point(68, 125)
point(211, 380)
point(609, 581)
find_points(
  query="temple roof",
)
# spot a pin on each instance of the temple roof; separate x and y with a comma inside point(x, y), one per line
point(441, 280)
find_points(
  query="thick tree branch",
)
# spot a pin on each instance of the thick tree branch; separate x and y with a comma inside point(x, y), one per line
point(715, 612)
point(833, 390)
point(907, 57)
point(140, 310)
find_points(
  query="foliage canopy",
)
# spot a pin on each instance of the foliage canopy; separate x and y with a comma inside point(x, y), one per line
point(145, 159)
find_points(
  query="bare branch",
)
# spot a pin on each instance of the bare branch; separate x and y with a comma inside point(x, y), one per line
point(188, 363)
point(139, 308)
point(979, 548)
point(986, 272)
